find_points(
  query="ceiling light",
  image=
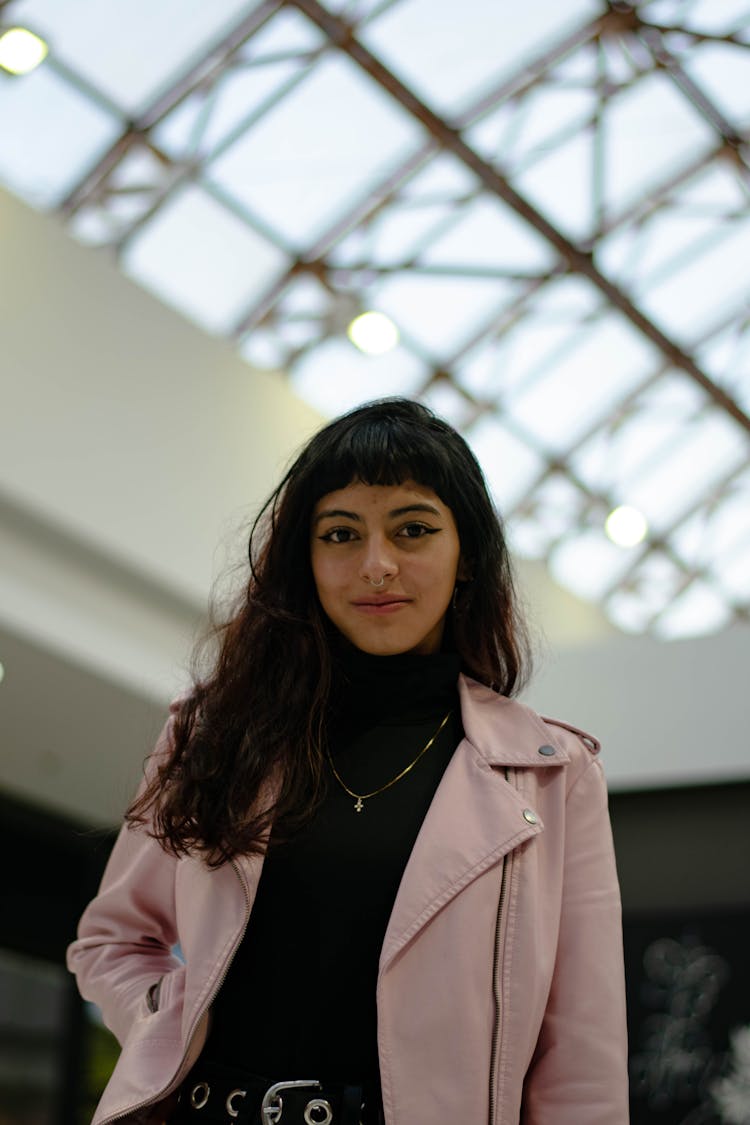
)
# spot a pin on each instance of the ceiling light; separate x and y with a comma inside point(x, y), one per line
point(373, 333)
point(21, 51)
point(2, 673)
point(626, 526)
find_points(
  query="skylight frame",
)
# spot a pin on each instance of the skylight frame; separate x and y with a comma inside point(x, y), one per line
point(655, 47)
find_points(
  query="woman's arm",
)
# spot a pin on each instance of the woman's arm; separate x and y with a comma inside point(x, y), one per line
point(578, 1075)
point(127, 932)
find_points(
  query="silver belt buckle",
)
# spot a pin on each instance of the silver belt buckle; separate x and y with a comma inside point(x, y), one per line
point(272, 1106)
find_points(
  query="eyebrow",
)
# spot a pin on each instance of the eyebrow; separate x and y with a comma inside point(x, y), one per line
point(341, 513)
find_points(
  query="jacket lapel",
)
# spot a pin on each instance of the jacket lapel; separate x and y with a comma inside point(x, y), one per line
point(476, 816)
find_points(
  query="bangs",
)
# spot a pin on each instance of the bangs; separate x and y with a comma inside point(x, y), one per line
point(383, 451)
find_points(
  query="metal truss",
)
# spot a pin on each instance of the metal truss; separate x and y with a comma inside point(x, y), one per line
point(622, 49)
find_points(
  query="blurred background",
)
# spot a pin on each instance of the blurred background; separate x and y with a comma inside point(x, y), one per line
point(222, 224)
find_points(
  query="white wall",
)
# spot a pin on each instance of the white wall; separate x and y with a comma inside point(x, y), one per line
point(131, 446)
point(133, 426)
point(665, 713)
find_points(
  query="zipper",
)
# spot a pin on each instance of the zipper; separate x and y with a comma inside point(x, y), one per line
point(180, 1073)
point(495, 982)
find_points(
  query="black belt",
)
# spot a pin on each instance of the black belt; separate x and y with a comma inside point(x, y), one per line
point(218, 1095)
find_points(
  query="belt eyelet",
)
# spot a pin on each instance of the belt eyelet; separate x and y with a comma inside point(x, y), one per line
point(234, 1094)
point(318, 1112)
point(199, 1095)
point(272, 1106)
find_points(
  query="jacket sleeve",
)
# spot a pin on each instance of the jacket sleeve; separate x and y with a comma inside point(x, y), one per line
point(578, 1075)
point(126, 934)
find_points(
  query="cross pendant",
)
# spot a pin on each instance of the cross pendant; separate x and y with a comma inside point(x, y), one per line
point(359, 806)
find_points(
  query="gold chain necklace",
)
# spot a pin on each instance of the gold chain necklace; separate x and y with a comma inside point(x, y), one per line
point(361, 797)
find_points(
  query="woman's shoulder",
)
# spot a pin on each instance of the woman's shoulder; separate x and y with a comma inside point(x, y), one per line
point(562, 730)
point(521, 735)
point(579, 746)
point(577, 749)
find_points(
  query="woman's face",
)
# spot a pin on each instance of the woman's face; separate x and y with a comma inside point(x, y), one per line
point(402, 534)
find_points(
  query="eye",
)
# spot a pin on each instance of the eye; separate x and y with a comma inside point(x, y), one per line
point(417, 530)
point(338, 535)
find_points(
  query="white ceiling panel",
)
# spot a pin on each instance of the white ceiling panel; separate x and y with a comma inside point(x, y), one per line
point(202, 259)
point(130, 52)
point(449, 53)
point(296, 171)
point(51, 135)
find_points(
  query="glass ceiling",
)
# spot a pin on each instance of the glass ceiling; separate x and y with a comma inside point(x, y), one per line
point(549, 201)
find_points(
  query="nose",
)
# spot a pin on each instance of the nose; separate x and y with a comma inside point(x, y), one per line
point(378, 561)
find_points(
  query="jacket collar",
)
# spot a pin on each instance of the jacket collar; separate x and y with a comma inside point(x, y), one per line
point(477, 816)
point(505, 732)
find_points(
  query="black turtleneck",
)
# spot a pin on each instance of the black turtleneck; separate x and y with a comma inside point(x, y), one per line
point(299, 998)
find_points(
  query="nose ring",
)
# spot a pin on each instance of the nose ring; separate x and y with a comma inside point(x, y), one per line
point(380, 583)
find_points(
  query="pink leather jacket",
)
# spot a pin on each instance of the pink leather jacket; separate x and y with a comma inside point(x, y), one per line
point(500, 990)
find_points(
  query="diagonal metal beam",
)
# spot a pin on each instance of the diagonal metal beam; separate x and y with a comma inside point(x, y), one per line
point(204, 71)
point(579, 261)
point(654, 40)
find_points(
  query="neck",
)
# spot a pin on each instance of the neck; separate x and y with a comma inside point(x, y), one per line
point(370, 689)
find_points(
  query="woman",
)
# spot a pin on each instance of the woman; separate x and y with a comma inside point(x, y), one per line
point(393, 888)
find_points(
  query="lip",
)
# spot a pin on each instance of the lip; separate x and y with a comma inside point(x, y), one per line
point(384, 604)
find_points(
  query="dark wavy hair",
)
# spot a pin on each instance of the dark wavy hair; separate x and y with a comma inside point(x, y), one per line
point(259, 714)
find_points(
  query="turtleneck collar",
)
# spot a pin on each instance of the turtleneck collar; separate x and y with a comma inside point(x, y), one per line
point(372, 689)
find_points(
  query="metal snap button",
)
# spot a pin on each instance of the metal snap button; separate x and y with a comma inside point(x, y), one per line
point(547, 751)
point(530, 816)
